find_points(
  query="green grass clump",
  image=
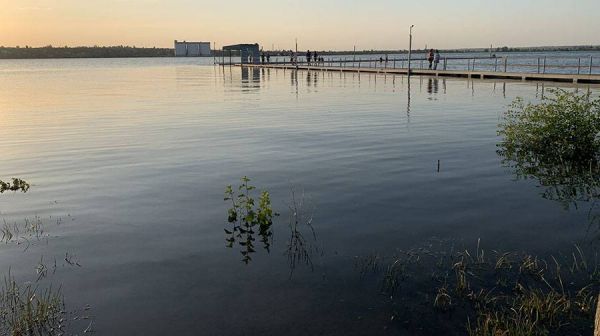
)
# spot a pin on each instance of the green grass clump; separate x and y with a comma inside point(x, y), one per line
point(27, 310)
point(245, 217)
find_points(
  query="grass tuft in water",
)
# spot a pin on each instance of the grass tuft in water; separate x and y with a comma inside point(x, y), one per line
point(28, 310)
point(511, 293)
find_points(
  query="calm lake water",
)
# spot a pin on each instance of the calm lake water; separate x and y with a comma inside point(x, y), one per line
point(128, 161)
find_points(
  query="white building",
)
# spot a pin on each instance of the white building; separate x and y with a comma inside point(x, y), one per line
point(192, 49)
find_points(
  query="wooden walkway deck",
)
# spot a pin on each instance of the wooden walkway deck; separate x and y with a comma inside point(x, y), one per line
point(569, 78)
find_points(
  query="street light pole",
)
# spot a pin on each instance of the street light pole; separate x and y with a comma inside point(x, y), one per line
point(409, 47)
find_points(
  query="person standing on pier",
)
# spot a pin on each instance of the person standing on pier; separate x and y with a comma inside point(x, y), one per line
point(262, 58)
point(268, 58)
point(308, 55)
point(314, 57)
point(430, 58)
point(436, 59)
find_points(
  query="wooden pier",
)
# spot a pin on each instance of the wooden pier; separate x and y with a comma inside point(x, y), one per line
point(523, 76)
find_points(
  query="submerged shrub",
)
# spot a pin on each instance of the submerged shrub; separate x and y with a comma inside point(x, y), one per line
point(557, 142)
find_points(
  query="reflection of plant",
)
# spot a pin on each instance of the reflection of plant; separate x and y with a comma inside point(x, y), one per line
point(16, 185)
point(299, 249)
point(245, 217)
point(557, 143)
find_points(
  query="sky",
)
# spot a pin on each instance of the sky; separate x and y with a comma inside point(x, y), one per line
point(321, 25)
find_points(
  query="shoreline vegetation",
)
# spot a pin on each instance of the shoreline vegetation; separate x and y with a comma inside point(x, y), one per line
point(47, 52)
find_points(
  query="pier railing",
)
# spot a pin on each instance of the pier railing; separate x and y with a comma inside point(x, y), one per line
point(540, 65)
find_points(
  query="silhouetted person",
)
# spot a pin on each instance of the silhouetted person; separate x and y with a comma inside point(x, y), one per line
point(436, 59)
point(308, 57)
point(315, 56)
point(262, 58)
point(268, 58)
point(430, 58)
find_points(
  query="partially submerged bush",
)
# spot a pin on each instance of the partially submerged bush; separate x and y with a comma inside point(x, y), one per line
point(556, 142)
point(564, 127)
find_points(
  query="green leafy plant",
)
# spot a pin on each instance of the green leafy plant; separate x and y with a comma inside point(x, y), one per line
point(247, 219)
point(556, 142)
point(16, 185)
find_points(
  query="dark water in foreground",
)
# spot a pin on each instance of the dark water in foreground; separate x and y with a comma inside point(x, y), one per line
point(129, 160)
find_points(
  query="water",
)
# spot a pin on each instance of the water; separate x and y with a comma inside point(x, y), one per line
point(129, 160)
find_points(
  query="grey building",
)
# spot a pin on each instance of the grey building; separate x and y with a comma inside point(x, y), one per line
point(192, 49)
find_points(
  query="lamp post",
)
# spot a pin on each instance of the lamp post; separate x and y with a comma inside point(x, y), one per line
point(409, 47)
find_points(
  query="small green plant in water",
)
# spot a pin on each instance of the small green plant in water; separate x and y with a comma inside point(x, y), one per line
point(16, 185)
point(247, 219)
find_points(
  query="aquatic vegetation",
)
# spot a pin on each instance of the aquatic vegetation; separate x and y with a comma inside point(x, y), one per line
point(28, 231)
point(16, 185)
point(508, 293)
point(563, 127)
point(443, 300)
point(556, 142)
point(300, 249)
point(245, 217)
point(28, 310)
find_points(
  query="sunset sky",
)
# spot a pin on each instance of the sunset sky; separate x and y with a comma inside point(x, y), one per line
point(324, 25)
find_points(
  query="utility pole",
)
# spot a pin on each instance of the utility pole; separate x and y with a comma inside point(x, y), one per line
point(409, 47)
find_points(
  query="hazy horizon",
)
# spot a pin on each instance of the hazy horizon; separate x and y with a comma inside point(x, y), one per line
point(332, 25)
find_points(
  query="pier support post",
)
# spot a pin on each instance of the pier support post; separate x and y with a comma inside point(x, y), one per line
point(544, 64)
point(505, 63)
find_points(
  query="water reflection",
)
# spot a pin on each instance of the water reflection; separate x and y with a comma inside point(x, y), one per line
point(250, 78)
point(433, 86)
point(408, 99)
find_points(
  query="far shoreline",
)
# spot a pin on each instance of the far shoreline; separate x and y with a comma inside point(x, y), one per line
point(49, 52)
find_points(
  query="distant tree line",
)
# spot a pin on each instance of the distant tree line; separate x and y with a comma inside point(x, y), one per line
point(82, 52)
point(132, 51)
